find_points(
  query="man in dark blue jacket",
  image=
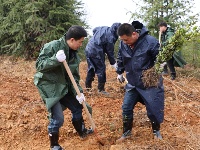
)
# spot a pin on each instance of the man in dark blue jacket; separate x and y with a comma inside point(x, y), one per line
point(137, 52)
point(101, 43)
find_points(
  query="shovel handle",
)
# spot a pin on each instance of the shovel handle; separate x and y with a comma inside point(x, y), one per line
point(79, 93)
point(160, 37)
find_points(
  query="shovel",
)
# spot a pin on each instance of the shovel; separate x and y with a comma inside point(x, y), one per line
point(84, 103)
point(159, 38)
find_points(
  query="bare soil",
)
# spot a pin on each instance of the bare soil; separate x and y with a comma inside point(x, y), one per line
point(23, 117)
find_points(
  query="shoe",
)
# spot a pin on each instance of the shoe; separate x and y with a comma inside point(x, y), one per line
point(88, 86)
point(57, 148)
point(86, 132)
point(89, 131)
point(173, 76)
point(127, 128)
point(104, 93)
point(54, 137)
point(157, 134)
point(125, 136)
point(164, 73)
point(88, 90)
point(79, 125)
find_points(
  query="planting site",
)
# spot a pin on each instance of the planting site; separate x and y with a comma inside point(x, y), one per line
point(23, 116)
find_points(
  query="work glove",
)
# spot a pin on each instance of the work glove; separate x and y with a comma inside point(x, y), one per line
point(81, 98)
point(114, 66)
point(60, 55)
point(121, 78)
point(162, 66)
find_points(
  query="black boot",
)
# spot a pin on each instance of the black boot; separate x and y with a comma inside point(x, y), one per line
point(173, 76)
point(127, 128)
point(88, 85)
point(101, 89)
point(156, 130)
point(80, 128)
point(53, 137)
point(165, 71)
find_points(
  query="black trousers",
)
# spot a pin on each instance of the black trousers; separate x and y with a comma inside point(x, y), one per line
point(170, 64)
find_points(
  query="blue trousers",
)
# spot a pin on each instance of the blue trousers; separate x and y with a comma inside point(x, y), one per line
point(131, 98)
point(57, 118)
point(98, 67)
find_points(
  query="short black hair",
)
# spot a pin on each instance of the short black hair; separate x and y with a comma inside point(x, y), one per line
point(137, 25)
point(161, 24)
point(125, 29)
point(76, 32)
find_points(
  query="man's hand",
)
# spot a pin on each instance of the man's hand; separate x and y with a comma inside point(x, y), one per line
point(60, 55)
point(114, 66)
point(121, 78)
point(81, 98)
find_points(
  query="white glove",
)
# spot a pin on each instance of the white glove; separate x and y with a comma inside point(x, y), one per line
point(60, 55)
point(114, 66)
point(162, 65)
point(81, 98)
point(121, 78)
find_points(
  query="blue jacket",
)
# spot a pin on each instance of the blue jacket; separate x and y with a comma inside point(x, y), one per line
point(102, 42)
point(134, 62)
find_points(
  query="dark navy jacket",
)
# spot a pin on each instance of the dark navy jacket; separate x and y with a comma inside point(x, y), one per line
point(102, 42)
point(133, 62)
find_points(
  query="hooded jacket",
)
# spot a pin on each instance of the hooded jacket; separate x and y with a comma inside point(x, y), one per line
point(51, 77)
point(102, 42)
point(134, 62)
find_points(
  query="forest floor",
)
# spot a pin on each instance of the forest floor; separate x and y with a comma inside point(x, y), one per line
point(23, 116)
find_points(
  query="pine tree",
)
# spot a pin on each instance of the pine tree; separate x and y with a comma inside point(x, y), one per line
point(174, 12)
point(27, 24)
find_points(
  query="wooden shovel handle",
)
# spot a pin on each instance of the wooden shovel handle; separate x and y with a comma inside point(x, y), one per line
point(79, 93)
point(160, 36)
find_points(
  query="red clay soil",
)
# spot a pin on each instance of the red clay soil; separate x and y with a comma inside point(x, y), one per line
point(23, 116)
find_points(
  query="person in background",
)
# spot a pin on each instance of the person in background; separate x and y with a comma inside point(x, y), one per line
point(137, 52)
point(55, 86)
point(176, 60)
point(100, 44)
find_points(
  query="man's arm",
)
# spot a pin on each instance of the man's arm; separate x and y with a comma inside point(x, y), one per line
point(110, 53)
point(120, 64)
point(47, 59)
